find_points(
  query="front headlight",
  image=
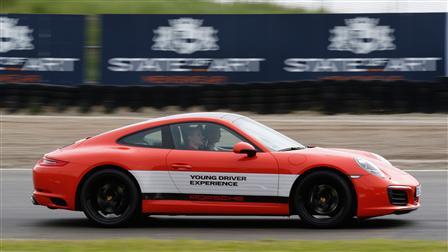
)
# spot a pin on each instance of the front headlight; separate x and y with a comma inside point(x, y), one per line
point(382, 159)
point(370, 167)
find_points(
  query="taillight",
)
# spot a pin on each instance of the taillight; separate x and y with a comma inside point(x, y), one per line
point(45, 161)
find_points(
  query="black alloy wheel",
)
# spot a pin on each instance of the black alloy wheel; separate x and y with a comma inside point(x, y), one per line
point(324, 199)
point(110, 198)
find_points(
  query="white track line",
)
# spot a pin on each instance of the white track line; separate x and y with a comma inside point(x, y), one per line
point(16, 169)
point(407, 161)
point(335, 120)
point(29, 169)
point(441, 170)
point(423, 121)
point(418, 161)
point(75, 117)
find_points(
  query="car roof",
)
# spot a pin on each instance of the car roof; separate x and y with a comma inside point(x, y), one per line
point(216, 115)
point(202, 115)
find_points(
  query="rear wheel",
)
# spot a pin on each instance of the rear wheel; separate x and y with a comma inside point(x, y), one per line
point(324, 199)
point(110, 198)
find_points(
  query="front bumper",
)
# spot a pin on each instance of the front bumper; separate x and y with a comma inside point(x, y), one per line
point(398, 194)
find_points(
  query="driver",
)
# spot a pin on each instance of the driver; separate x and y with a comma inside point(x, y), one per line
point(195, 139)
point(213, 135)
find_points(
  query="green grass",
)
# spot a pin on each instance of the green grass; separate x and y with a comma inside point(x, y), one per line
point(198, 246)
point(93, 7)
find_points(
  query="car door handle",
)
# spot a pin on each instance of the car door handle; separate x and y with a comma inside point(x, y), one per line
point(181, 167)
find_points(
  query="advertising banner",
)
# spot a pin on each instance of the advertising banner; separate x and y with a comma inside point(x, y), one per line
point(41, 49)
point(212, 49)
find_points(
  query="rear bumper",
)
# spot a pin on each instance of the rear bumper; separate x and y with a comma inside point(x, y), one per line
point(54, 187)
point(53, 201)
point(33, 200)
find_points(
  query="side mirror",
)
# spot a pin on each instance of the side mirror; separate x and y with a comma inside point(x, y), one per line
point(243, 147)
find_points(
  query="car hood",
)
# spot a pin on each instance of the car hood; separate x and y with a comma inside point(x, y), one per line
point(335, 152)
point(386, 167)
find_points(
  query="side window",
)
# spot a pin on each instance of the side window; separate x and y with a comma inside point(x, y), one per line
point(151, 138)
point(225, 141)
point(204, 136)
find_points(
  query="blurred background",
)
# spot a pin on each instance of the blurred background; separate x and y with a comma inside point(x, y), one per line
point(275, 59)
point(292, 56)
point(368, 75)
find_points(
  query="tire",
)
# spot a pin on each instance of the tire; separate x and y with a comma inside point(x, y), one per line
point(110, 198)
point(324, 199)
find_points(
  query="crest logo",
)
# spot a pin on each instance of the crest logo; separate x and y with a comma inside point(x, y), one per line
point(361, 35)
point(13, 36)
point(185, 36)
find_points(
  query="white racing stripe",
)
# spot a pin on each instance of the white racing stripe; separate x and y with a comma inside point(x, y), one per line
point(155, 181)
point(253, 184)
point(226, 183)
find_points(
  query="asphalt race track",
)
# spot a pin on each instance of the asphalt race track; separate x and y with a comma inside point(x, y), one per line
point(22, 220)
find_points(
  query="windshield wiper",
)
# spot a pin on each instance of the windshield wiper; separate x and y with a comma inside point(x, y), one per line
point(291, 148)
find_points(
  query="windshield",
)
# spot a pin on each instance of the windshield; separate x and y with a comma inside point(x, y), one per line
point(270, 138)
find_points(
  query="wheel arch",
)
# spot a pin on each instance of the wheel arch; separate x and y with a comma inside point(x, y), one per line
point(98, 168)
point(322, 168)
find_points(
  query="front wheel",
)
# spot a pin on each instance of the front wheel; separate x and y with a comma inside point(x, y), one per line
point(110, 198)
point(324, 199)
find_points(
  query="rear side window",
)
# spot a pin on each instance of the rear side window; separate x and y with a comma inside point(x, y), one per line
point(158, 137)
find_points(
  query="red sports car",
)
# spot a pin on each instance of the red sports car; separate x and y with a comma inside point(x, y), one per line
point(217, 164)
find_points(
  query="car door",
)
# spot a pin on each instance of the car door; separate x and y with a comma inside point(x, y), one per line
point(213, 172)
point(146, 152)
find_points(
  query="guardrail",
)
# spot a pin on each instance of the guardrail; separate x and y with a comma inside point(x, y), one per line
point(325, 96)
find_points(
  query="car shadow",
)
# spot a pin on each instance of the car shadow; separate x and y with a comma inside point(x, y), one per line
point(230, 222)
